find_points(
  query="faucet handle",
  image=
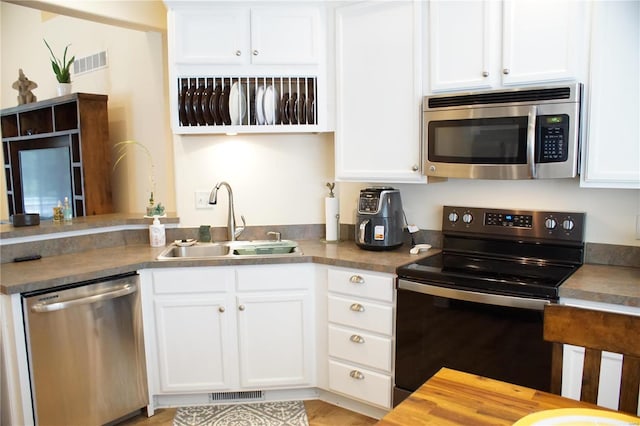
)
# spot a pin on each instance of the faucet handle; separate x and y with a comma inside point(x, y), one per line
point(277, 234)
point(240, 229)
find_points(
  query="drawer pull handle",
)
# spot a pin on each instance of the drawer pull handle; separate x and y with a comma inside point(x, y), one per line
point(356, 279)
point(221, 309)
point(356, 375)
point(241, 307)
point(356, 339)
point(356, 307)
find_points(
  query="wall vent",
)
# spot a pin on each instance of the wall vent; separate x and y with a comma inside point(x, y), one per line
point(90, 63)
point(237, 396)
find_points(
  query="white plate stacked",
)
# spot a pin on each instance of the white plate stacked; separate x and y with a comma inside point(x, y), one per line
point(270, 105)
point(237, 103)
point(259, 108)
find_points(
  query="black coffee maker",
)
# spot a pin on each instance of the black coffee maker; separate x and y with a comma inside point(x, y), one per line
point(379, 222)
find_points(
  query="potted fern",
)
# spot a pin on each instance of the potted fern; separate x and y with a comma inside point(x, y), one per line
point(61, 70)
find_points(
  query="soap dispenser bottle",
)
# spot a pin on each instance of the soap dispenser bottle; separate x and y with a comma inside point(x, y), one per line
point(157, 236)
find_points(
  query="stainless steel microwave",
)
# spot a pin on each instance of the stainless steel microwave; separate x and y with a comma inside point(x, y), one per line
point(525, 133)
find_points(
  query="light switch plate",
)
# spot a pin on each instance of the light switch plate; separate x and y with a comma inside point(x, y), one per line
point(202, 200)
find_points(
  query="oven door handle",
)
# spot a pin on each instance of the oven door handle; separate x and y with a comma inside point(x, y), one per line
point(474, 296)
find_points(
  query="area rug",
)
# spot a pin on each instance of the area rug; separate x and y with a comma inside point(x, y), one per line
point(286, 413)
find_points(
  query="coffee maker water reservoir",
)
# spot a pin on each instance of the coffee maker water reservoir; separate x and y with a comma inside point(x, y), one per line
point(379, 221)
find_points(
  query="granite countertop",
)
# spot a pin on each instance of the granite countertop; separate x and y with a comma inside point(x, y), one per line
point(618, 285)
point(65, 269)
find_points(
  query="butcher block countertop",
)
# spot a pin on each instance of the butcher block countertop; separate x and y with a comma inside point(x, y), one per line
point(452, 397)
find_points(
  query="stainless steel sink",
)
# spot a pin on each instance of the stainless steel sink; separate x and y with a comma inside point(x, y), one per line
point(231, 249)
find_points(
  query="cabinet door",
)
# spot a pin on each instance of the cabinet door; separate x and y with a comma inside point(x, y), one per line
point(285, 35)
point(196, 351)
point(612, 151)
point(211, 36)
point(542, 40)
point(462, 36)
point(378, 92)
point(274, 339)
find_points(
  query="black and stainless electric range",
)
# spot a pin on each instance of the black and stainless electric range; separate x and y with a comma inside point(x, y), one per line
point(478, 306)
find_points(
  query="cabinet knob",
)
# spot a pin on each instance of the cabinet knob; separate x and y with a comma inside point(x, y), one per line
point(241, 307)
point(356, 279)
point(485, 73)
point(415, 168)
point(356, 339)
point(356, 375)
point(255, 52)
point(221, 309)
point(238, 53)
point(506, 71)
point(356, 307)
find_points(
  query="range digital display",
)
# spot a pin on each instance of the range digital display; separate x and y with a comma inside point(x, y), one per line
point(508, 220)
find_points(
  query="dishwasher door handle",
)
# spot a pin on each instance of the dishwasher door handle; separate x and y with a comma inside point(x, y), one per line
point(112, 293)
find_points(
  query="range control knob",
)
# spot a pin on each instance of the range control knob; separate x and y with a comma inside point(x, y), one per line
point(568, 225)
point(550, 223)
point(453, 217)
point(467, 218)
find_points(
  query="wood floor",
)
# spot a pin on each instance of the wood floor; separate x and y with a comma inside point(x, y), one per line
point(319, 413)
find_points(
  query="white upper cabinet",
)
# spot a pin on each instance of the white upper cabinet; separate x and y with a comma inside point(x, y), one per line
point(247, 67)
point(243, 35)
point(378, 96)
point(288, 35)
point(462, 36)
point(487, 44)
point(210, 36)
point(611, 152)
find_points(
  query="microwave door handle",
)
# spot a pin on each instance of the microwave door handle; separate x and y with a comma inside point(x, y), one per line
point(531, 140)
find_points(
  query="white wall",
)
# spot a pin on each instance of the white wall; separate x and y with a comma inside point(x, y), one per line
point(610, 213)
point(277, 179)
point(135, 81)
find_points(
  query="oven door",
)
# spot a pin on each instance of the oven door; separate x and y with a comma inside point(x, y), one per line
point(490, 335)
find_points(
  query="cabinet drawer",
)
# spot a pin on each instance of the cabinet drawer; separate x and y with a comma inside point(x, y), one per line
point(360, 383)
point(359, 347)
point(275, 277)
point(193, 280)
point(363, 284)
point(361, 314)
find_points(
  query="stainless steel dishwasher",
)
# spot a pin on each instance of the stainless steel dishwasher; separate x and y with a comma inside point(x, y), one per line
point(86, 352)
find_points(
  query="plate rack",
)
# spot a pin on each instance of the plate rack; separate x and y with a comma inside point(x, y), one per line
point(222, 102)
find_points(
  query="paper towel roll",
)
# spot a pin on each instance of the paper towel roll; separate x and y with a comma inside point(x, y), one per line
point(332, 216)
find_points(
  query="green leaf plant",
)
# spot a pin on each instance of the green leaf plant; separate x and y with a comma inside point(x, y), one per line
point(61, 68)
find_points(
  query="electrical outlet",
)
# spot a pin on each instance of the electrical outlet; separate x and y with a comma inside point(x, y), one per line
point(202, 200)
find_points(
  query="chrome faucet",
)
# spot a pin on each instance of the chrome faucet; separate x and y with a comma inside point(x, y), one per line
point(233, 231)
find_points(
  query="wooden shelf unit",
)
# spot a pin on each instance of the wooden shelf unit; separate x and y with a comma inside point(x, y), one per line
point(79, 122)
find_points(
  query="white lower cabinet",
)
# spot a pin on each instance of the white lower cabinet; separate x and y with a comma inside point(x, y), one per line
point(229, 328)
point(275, 326)
point(361, 308)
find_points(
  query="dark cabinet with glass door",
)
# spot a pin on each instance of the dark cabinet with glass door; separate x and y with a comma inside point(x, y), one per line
point(57, 149)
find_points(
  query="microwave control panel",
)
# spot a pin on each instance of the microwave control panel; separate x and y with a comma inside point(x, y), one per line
point(551, 138)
